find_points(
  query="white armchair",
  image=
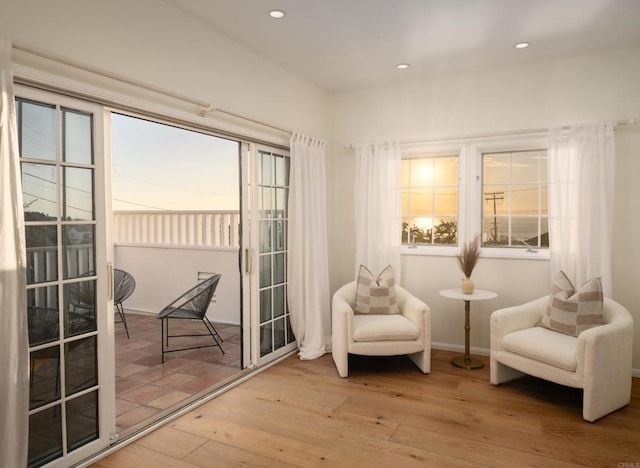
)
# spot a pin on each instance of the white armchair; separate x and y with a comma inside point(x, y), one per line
point(408, 332)
point(598, 360)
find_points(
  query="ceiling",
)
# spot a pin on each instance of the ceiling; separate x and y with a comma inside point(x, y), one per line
point(343, 45)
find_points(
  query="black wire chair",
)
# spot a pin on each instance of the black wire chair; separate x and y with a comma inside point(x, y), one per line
point(44, 327)
point(191, 305)
point(123, 286)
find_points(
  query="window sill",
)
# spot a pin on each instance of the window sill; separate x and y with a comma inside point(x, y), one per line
point(534, 254)
point(435, 250)
point(485, 252)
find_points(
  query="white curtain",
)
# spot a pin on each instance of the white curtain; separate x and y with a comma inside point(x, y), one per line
point(378, 221)
point(581, 189)
point(14, 371)
point(307, 262)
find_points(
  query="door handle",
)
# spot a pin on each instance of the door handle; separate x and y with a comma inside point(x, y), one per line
point(248, 267)
point(109, 281)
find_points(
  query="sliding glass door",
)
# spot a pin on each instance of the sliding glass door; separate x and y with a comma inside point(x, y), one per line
point(66, 175)
point(271, 328)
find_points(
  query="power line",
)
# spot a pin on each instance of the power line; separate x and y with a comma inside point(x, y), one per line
point(140, 204)
point(55, 202)
point(54, 183)
point(144, 178)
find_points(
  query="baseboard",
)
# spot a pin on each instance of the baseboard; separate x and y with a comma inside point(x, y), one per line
point(487, 352)
point(139, 312)
point(460, 349)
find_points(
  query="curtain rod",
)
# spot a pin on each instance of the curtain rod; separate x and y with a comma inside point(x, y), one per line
point(203, 107)
point(532, 131)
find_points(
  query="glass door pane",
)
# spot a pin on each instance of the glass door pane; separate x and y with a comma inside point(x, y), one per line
point(66, 297)
point(272, 321)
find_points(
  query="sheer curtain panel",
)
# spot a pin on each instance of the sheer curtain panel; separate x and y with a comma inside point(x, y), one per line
point(307, 262)
point(581, 189)
point(378, 222)
point(14, 377)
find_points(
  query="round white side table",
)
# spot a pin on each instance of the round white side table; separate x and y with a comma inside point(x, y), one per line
point(466, 361)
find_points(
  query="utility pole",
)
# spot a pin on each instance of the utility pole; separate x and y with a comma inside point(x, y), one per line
point(494, 197)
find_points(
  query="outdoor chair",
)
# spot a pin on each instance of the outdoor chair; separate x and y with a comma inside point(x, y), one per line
point(83, 294)
point(192, 305)
point(44, 327)
point(123, 286)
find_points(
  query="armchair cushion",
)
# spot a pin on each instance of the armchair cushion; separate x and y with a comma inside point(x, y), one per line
point(376, 295)
point(383, 328)
point(559, 349)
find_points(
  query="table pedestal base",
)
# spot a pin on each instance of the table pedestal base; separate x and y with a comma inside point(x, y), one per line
point(467, 363)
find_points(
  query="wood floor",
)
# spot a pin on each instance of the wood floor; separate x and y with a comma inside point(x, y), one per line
point(301, 413)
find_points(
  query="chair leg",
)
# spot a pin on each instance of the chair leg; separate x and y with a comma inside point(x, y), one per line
point(341, 360)
point(211, 330)
point(122, 317)
point(162, 338)
point(422, 359)
point(31, 369)
point(214, 333)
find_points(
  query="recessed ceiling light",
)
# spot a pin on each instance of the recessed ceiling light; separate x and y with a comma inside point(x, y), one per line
point(277, 14)
point(402, 66)
point(522, 45)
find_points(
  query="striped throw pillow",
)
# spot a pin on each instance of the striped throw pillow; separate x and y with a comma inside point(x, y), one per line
point(561, 284)
point(376, 294)
point(573, 312)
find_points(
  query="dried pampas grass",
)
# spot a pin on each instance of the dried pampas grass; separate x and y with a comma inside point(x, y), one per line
point(468, 258)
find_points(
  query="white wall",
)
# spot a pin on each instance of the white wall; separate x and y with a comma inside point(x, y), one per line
point(151, 41)
point(540, 95)
point(162, 274)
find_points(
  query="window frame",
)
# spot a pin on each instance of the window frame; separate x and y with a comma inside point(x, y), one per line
point(470, 189)
point(433, 188)
point(507, 190)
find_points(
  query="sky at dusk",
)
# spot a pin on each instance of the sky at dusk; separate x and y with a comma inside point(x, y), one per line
point(156, 166)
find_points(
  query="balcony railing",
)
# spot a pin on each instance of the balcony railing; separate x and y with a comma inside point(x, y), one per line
point(208, 242)
point(193, 228)
point(42, 262)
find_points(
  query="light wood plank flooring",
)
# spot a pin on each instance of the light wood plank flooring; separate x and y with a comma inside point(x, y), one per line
point(301, 413)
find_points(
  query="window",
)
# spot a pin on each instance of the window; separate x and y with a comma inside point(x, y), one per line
point(430, 201)
point(496, 187)
point(515, 199)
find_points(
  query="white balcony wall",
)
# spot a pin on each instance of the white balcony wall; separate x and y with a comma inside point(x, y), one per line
point(167, 252)
point(163, 273)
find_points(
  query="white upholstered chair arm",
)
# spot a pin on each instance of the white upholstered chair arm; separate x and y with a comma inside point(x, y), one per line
point(510, 319)
point(607, 349)
point(341, 314)
point(413, 308)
